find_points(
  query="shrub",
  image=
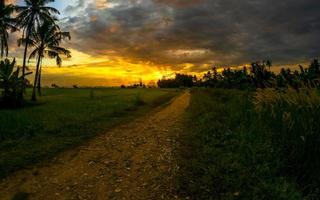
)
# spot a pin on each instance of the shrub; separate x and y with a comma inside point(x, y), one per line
point(11, 83)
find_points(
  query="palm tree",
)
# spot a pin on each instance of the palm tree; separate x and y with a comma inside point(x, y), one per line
point(46, 42)
point(6, 24)
point(30, 16)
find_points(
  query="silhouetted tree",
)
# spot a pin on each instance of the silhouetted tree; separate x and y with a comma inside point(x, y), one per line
point(180, 80)
point(29, 17)
point(261, 76)
point(6, 25)
point(46, 41)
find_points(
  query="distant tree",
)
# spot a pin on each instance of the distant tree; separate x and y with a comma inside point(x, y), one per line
point(212, 78)
point(184, 80)
point(54, 85)
point(261, 74)
point(180, 80)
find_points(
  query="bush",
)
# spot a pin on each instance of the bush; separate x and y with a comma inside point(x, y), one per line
point(11, 83)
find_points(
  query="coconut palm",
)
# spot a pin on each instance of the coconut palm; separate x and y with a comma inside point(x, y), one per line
point(32, 15)
point(46, 41)
point(6, 24)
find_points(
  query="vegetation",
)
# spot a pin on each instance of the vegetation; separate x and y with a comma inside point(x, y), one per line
point(40, 31)
point(251, 145)
point(258, 75)
point(12, 83)
point(66, 118)
point(292, 121)
point(46, 41)
point(180, 80)
point(31, 16)
point(257, 140)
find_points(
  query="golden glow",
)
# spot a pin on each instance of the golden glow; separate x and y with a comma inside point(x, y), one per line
point(86, 70)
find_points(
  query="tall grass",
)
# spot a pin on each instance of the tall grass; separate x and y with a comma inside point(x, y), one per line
point(233, 147)
point(293, 121)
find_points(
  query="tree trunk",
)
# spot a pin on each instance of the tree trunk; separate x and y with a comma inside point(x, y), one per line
point(2, 49)
point(25, 54)
point(20, 95)
point(39, 81)
point(26, 46)
point(34, 97)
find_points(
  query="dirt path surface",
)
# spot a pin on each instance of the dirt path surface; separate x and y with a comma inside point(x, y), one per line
point(132, 161)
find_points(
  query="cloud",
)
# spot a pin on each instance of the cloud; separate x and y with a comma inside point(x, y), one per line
point(191, 35)
point(199, 32)
point(76, 7)
point(179, 3)
point(10, 1)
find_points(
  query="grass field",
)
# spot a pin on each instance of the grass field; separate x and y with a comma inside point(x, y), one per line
point(251, 145)
point(66, 117)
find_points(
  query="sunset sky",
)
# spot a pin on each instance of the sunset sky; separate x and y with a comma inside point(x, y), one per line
point(119, 41)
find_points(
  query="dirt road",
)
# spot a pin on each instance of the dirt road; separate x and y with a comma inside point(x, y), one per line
point(132, 161)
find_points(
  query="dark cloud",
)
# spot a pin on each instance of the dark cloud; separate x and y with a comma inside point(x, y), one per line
point(179, 3)
point(175, 32)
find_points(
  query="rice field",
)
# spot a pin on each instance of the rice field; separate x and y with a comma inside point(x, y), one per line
point(64, 118)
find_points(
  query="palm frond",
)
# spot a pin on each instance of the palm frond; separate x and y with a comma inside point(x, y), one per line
point(33, 54)
point(51, 10)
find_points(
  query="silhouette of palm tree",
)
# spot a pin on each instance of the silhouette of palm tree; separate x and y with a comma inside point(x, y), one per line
point(46, 40)
point(30, 16)
point(6, 24)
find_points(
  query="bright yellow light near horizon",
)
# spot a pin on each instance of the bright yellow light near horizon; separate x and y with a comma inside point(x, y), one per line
point(99, 76)
point(88, 70)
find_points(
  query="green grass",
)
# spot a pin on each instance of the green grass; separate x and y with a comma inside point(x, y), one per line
point(67, 117)
point(229, 152)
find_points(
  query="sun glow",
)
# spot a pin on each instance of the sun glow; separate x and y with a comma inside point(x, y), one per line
point(85, 70)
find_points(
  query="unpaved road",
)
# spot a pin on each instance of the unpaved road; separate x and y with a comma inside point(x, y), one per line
point(132, 161)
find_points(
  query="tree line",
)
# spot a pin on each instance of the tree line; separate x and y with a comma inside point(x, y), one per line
point(40, 37)
point(180, 80)
point(257, 75)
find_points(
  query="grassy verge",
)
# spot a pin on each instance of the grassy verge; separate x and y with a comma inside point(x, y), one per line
point(67, 117)
point(245, 145)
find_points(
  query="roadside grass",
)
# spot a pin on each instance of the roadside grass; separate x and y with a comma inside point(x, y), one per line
point(64, 118)
point(231, 148)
